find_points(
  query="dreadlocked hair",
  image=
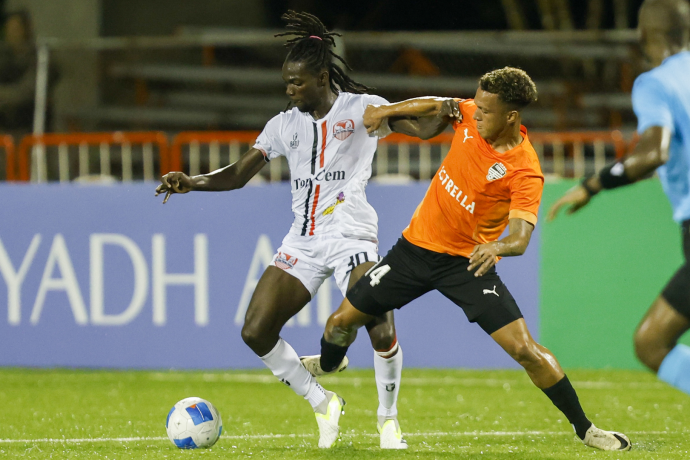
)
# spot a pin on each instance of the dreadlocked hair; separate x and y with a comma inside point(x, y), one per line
point(312, 44)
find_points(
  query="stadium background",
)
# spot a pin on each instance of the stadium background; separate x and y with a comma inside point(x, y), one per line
point(115, 66)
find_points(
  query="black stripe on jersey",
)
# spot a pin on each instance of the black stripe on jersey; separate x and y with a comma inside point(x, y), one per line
point(306, 206)
point(313, 151)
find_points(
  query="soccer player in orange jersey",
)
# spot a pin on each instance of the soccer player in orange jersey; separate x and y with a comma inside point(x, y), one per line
point(490, 179)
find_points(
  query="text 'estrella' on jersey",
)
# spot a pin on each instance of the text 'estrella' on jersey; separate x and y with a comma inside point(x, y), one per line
point(476, 191)
point(327, 157)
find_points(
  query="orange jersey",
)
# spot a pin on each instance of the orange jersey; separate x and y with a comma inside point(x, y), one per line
point(476, 191)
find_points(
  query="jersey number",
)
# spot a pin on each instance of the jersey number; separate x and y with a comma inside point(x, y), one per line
point(355, 260)
point(378, 273)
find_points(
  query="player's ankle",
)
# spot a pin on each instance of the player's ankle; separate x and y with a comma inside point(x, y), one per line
point(318, 397)
point(331, 355)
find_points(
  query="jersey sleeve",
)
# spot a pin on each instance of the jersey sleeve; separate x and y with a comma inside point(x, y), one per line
point(373, 99)
point(385, 129)
point(525, 195)
point(651, 104)
point(467, 109)
point(269, 141)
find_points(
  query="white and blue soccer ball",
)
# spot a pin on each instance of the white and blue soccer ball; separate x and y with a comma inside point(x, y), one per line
point(194, 423)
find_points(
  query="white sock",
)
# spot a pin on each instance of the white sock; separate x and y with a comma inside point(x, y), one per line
point(388, 372)
point(285, 365)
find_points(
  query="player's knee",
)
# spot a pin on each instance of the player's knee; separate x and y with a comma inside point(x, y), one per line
point(525, 352)
point(342, 337)
point(338, 321)
point(338, 330)
point(255, 336)
point(249, 334)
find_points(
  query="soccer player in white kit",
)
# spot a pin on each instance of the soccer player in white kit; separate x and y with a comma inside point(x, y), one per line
point(335, 229)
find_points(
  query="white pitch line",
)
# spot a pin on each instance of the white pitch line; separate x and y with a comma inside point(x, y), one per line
point(412, 381)
point(346, 435)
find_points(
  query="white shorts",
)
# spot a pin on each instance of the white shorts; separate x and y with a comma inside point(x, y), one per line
point(312, 259)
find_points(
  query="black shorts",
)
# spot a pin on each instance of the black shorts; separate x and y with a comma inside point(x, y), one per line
point(677, 291)
point(408, 272)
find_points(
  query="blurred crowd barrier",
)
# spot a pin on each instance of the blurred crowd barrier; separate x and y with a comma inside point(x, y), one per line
point(144, 156)
point(220, 79)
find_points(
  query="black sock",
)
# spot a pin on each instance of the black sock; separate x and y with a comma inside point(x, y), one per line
point(563, 396)
point(331, 355)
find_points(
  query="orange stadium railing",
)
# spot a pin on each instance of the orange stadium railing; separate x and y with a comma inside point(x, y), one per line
point(7, 144)
point(568, 149)
point(206, 137)
point(186, 152)
point(84, 140)
point(564, 153)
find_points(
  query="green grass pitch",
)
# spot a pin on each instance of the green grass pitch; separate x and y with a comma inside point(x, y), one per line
point(67, 414)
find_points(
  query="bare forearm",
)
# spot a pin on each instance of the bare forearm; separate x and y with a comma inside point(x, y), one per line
point(233, 176)
point(423, 128)
point(515, 244)
point(512, 245)
point(220, 180)
point(432, 116)
point(417, 107)
point(650, 152)
point(432, 126)
point(636, 167)
point(484, 256)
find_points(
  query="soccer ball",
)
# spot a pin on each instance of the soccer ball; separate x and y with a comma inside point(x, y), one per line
point(192, 423)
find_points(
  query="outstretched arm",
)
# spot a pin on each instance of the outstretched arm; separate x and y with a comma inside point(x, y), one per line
point(423, 117)
point(230, 177)
point(649, 153)
point(515, 244)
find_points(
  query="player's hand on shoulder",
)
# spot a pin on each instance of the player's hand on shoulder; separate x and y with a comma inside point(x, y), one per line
point(450, 109)
point(174, 182)
point(483, 257)
point(372, 119)
point(574, 199)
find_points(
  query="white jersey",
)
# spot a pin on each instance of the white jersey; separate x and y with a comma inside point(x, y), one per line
point(330, 164)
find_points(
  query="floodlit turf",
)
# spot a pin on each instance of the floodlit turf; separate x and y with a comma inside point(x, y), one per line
point(65, 414)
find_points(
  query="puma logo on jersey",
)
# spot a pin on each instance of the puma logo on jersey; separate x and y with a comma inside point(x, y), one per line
point(496, 171)
point(453, 190)
point(467, 137)
point(487, 291)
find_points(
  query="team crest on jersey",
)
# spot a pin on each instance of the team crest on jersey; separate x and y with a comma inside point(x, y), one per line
point(343, 129)
point(294, 143)
point(496, 171)
point(285, 261)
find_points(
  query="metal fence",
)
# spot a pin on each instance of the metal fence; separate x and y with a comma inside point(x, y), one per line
point(118, 155)
point(143, 156)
